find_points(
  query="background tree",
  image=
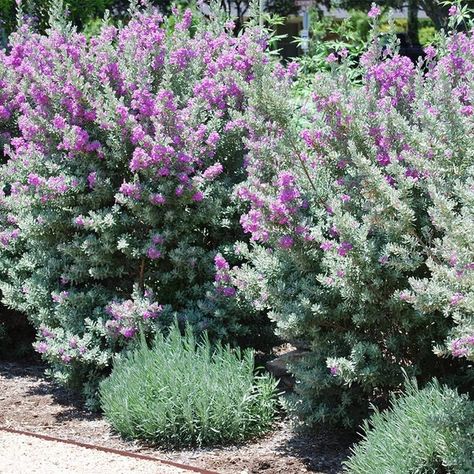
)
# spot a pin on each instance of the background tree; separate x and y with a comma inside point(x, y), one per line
point(79, 12)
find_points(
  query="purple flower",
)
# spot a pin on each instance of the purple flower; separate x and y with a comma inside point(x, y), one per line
point(213, 171)
point(343, 53)
point(157, 199)
point(285, 179)
point(229, 25)
point(228, 291)
point(198, 197)
point(73, 343)
point(326, 246)
point(345, 198)
point(374, 12)
point(92, 179)
point(456, 299)
point(59, 122)
point(128, 332)
point(61, 297)
point(157, 239)
point(213, 139)
point(453, 10)
point(383, 158)
point(220, 262)
point(430, 52)
point(45, 332)
point(147, 314)
point(344, 248)
point(404, 296)
point(131, 190)
point(153, 253)
point(137, 134)
point(34, 180)
point(286, 242)
point(140, 160)
point(41, 347)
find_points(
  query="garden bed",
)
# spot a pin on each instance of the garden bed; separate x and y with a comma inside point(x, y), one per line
point(30, 402)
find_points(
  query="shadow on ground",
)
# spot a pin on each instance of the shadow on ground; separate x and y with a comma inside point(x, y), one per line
point(321, 452)
point(30, 402)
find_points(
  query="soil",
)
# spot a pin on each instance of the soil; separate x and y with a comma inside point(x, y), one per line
point(30, 402)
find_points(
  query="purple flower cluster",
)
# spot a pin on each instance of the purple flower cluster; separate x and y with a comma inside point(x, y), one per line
point(126, 316)
point(59, 346)
point(463, 347)
point(171, 152)
point(394, 78)
point(275, 210)
point(222, 277)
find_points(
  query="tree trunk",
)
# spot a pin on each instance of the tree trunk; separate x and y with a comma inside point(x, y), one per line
point(437, 13)
point(412, 30)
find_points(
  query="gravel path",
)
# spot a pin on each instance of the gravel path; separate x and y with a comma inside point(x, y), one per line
point(20, 454)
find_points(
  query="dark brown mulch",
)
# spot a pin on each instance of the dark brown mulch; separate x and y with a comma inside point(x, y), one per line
point(30, 402)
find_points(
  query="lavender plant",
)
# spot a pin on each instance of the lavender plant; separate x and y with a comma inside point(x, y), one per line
point(116, 196)
point(220, 399)
point(360, 211)
point(427, 430)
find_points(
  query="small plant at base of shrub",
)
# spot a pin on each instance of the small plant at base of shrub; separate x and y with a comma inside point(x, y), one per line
point(427, 430)
point(185, 392)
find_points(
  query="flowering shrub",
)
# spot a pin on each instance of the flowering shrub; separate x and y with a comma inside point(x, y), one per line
point(361, 213)
point(8, 104)
point(118, 181)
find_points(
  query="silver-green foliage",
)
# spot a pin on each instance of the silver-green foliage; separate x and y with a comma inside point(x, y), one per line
point(426, 431)
point(152, 87)
point(186, 392)
point(361, 212)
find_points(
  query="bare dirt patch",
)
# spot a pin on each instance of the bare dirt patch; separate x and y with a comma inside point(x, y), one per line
point(30, 402)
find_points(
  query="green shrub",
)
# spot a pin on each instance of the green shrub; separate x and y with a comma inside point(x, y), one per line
point(427, 35)
point(429, 430)
point(133, 224)
point(79, 12)
point(361, 212)
point(184, 392)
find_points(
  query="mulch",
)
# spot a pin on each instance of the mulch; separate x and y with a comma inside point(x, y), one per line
point(30, 402)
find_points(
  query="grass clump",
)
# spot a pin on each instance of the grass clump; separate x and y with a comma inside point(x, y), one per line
point(425, 431)
point(183, 391)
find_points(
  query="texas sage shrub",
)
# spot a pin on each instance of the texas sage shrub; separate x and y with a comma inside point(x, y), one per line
point(425, 430)
point(116, 197)
point(8, 104)
point(361, 215)
point(184, 391)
